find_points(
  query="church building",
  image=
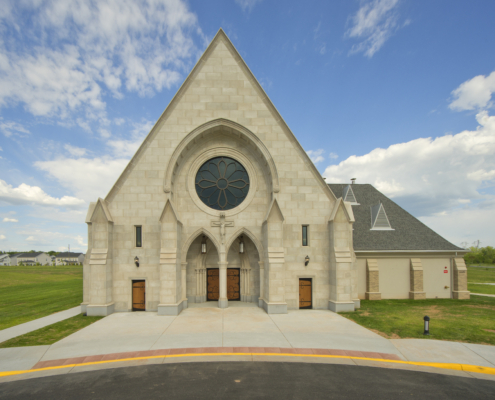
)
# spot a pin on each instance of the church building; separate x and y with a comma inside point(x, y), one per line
point(221, 203)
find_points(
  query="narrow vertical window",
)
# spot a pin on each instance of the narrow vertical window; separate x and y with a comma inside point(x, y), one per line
point(139, 242)
point(305, 235)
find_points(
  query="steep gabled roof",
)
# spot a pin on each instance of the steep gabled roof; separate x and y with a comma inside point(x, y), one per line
point(409, 233)
point(219, 37)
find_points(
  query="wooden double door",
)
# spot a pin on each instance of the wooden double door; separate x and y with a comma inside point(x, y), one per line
point(138, 296)
point(213, 284)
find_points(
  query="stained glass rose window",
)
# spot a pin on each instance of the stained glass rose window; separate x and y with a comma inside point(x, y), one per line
point(222, 183)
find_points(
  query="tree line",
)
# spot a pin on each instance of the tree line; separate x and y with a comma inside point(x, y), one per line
point(480, 255)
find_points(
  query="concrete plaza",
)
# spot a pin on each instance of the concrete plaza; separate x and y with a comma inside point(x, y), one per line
point(240, 328)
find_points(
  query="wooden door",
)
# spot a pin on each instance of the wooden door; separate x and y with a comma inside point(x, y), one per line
point(212, 284)
point(138, 296)
point(233, 284)
point(305, 293)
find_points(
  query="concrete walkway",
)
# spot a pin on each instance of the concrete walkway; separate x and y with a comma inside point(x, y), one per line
point(241, 333)
point(30, 326)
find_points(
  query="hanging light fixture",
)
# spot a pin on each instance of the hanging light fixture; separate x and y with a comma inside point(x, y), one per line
point(136, 261)
point(241, 245)
point(203, 245)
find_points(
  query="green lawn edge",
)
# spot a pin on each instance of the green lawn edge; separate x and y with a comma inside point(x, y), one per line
point(469, 321)
point(31, 292)
point(52, 333)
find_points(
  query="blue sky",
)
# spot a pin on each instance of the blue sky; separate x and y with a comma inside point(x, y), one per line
point(397, 93)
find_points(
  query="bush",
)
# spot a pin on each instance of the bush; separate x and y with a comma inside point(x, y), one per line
point(483, 255)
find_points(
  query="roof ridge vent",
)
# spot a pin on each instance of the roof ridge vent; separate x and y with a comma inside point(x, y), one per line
point(349, 196)
point(379, 219)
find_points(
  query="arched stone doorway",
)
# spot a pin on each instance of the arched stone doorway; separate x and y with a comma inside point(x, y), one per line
point(245, 266)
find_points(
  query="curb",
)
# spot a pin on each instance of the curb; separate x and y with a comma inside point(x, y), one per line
point(392, 359)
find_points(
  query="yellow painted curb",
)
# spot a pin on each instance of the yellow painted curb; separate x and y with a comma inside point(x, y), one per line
point(452, 366)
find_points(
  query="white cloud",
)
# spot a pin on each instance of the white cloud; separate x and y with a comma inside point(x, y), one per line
point(9, 128)
point(10, 220)
point(475, 93)
point(119, 121)
point(429, 176)
point(333, 156)
point(464, 225)
point(45, 238)
point(128, 147)
point(247, 4)
point(75, 151)
point(374, 23)
point(105, 133)
point(3, 237)
point(87, 178)
point(25, 194)
point(66, 55)
point(316, 155)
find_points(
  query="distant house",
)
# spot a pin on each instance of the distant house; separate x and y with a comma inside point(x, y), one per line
point(69, 258)
point(13, 258)
point(4, 259)
point(33, 258)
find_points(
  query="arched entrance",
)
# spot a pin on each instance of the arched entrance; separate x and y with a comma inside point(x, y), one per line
point(243, 272)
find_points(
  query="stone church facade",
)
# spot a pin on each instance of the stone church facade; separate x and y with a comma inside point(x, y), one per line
point(221, 203)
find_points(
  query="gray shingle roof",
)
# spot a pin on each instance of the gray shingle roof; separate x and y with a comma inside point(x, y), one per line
point(67, 254)
point(409, 233)
point(30, 255)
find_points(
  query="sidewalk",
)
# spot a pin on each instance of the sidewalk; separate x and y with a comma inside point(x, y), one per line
point(240, 334)
point(30, 326)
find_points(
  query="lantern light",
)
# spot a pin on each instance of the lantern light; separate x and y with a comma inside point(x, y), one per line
point(136, 261)
point(306, 260)
point(427, 325)
point(203, 245)
point(241, 245)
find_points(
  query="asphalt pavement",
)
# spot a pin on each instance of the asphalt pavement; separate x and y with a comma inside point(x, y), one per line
point(238, 380)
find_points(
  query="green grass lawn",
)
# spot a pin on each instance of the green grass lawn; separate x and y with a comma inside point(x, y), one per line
point(51, 333)
point(485, 289)
point(469, 321)
point(31, 292)
point(481, 275)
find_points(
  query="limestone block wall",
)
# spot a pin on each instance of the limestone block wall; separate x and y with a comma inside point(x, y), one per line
point(460, 279)
point(317, 250)
point(124, 268)
point(219, 87)
point(342, 267)
point(361, 272)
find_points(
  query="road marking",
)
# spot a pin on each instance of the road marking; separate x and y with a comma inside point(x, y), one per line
point(452, 366)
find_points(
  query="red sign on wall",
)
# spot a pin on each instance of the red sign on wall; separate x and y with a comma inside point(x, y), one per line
point(445, 271)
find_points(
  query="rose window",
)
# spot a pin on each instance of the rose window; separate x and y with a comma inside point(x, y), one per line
point(222, 183)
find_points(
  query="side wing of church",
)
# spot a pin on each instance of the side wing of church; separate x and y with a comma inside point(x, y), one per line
point(221, 203)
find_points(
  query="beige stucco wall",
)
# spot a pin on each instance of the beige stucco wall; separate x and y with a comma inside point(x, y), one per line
point(394, 278)
point(435, 279)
